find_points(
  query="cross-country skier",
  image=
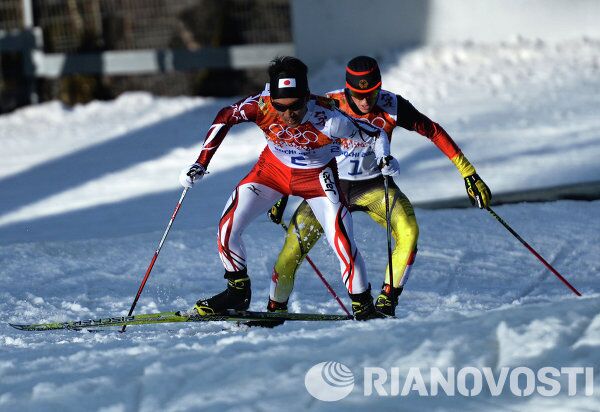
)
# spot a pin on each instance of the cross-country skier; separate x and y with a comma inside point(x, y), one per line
point(362, 183)
point(302, 131)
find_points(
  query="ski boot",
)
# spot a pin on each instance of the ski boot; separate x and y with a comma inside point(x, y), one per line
point(384, 302)
point(237, 296)
point(362, 306)
point(273, 307)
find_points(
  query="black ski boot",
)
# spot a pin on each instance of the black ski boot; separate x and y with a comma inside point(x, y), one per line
point(273, 307)
point(384, 302)
point(362, 306)
point(237, 296)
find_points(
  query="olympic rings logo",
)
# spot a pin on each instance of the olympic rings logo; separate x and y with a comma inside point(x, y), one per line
point(293, 135)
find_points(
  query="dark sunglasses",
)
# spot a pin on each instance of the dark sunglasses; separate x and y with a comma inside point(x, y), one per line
point(297, 105)
point(371, 96)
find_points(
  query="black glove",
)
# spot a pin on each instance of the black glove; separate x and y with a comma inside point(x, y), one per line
point(276, 212)
point(196, 170)
point(191, 174)
point(479, 193)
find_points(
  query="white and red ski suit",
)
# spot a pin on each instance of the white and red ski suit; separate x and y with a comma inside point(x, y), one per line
point(297, 161)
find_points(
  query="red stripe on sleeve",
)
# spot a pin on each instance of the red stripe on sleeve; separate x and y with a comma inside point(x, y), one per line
point(438, 136)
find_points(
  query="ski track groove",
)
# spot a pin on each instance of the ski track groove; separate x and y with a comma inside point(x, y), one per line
point(452, 281)
point(543, 274)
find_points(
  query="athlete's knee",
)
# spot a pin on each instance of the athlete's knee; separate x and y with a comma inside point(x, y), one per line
point(305, 233)
point(413, 230)
point(406, 230)
point(227, 235)
point(291, 252)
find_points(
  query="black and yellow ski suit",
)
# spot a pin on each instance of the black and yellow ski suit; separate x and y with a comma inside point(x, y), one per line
point(363, 185)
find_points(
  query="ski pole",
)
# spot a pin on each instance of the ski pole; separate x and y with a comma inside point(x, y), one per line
point(389, 237)
point(162, 241)
point(532, 250)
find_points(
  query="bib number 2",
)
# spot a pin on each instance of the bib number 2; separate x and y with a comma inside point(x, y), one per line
point(298, 160)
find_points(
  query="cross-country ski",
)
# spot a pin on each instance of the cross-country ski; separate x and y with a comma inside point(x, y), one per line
point(176, 317)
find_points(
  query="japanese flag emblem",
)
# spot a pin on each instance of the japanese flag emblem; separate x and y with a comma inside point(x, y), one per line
point(289, 82)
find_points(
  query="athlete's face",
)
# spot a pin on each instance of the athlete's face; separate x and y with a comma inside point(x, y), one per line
point(291, 110)
point(365, 101)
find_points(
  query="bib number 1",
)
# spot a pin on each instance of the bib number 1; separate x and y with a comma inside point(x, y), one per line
point(355, 171)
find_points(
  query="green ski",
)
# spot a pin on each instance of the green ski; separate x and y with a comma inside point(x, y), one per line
point(175, 317)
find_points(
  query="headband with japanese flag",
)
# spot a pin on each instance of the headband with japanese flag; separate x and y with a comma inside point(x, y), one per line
point(288, 85)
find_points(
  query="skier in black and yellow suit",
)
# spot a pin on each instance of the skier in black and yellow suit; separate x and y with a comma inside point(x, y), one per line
point(362, 182)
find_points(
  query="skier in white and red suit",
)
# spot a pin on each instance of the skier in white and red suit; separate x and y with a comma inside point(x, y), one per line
point(302, 132)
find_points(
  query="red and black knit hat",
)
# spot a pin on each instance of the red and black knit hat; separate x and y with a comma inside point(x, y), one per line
point(362, 74)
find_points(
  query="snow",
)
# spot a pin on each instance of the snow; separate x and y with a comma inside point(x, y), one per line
point(87, 192)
